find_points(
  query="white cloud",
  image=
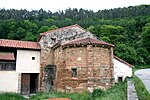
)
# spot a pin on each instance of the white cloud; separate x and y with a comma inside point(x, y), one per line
point(55, 5)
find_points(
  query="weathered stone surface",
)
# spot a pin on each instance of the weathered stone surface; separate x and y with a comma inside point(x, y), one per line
point(93, 63)
point(64, 35)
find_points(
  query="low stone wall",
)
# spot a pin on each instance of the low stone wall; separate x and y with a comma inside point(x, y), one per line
point(131, 92)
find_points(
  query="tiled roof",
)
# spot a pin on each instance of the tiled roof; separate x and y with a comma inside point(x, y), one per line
point(4, 56)
point(119, 59)
point(84, 41)
point(67, 27)
point(19, 44)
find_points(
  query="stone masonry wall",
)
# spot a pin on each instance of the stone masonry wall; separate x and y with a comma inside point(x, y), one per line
point(76, 57)
point(50, 39)
point(47, 58)
point(94, 68)
point(93, 63)
point(103, 68)
point(68, 58)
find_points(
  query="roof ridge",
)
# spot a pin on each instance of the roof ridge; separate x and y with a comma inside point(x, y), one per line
point(87, 40)
point(19, 44)
point(122, 61)
point(18, 40)
point(75, 25)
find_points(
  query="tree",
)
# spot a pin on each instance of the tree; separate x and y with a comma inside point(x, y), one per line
point(18, 35)
point(127, 53)
point(28, 26)
point(43, 29)
point(127, 28)
point(143, 57)
point(53, 27)
point(29, 37)
point(146, 37)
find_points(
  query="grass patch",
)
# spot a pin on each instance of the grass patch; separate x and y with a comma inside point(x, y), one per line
point(11, 96)
point(142, 92)
point(117, 92)
point(142, 67)
point(73, 96)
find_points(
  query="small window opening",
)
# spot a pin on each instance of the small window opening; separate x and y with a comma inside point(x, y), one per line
point(33, 58)
point(74, 72)
point(120, 79)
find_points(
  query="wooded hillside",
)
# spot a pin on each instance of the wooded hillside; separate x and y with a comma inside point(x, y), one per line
point(127, 28)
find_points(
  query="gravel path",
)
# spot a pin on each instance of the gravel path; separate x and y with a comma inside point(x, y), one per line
point(144, 75)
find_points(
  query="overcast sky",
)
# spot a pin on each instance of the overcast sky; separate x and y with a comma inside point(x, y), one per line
point(55, 5)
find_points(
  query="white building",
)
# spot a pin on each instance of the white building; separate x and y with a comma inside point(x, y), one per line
point(19, 66)
point(122, 69)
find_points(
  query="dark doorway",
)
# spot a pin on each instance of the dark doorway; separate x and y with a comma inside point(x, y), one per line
point(29, 83)
point(50, 77)
point(33, 83)
point(120, 79)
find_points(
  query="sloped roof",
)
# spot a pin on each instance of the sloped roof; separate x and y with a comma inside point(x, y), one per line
point(60, 29)
point(19, 44)
point(121, 60)
point(8, 56)
point(63, 28)
point(84, 41)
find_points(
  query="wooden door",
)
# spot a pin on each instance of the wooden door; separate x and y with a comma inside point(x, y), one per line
point(25, 84)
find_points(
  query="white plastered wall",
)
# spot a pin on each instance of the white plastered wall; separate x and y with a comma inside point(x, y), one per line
point(121, 70)
point(25, 64)
point(8, 81)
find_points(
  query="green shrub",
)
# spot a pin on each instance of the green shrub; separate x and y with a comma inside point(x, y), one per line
point(142, 93)
point(97, 93)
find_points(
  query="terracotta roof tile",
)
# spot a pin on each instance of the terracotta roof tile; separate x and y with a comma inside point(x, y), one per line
point(121, 60)
point(4, 56)
point(86, 41)
point(19, 44)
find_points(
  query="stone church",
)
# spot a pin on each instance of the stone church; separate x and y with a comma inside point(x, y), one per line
point(73, 59)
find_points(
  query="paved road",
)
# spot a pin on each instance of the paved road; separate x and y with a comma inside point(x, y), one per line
point(144, 75)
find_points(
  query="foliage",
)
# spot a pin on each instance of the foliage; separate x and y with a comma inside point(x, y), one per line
point(117, 92)
point(141, 67)
point(142, 93)
point(73, 96)
point(11, 96)
point(146, 36)
point(127, 53)
point(127, 28)
point(97, 93)
point(53, 27)
point(43, 29)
